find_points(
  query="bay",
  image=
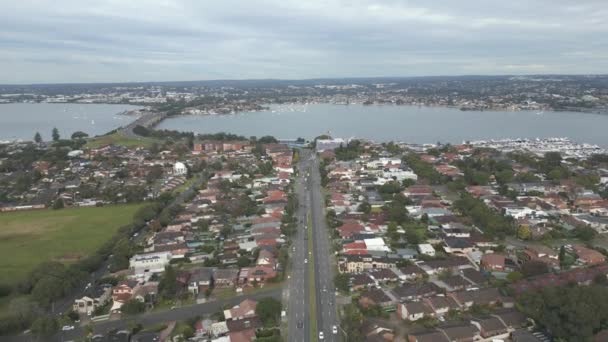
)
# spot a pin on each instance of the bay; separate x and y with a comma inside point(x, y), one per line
point(399, 123)
point(23, 120)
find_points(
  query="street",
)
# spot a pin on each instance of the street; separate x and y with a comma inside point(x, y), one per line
point(322, 248)
point(150, 319)
point(298, 304)
point(308, 190)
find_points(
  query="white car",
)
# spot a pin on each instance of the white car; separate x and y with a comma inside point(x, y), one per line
point(334, 330)
point(67, 327)
point(320, 335)
point(306, 261)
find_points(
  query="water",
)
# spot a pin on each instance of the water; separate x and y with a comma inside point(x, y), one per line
point(23, 120)
point(400, 123)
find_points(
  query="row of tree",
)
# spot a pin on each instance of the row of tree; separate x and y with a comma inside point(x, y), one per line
point(56, 136)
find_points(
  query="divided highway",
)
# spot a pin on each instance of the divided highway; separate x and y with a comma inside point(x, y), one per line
point(298, 303)
point(312, 203)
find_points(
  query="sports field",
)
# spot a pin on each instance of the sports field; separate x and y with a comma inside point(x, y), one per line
point(31, 237)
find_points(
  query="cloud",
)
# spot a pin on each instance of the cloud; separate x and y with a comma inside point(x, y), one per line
point(137, 40)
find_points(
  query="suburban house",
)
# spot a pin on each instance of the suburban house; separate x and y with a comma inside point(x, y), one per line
point(95, 297)
point(486, 296)
point(377, 297)
point(200, 280)
point(225, 278)
point(413, 311)
point(441, 305)
point(360, 263)
point(491, 328)
point(589, 256)
point(144, 265)
point(460, 333)
point(245, 309)
point(426, 249)
point(493, 262)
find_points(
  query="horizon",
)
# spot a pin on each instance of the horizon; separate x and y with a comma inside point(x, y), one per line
point(321, 79)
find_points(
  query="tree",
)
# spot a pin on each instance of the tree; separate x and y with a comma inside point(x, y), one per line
point(352, 323)
point(167, 286)
point(342, 282)
point(269, 311)
point(534, 268)
point(570, 313)
point(562, 257)
point(132, 307)
point(72, 315)
point(585, 233)
point(365, 207)
point(267, 139)
point(55, 134)
point(5, 290)
point(243, 261)
point(514, 276)
point(79, 135)
point(88, 329)
point(44, 326)
point(37, 138)
point(23, 308)
point(523, 232)
point(58, 204)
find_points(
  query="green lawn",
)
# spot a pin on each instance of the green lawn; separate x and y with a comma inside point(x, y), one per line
point(120, 139)
point(31, 237)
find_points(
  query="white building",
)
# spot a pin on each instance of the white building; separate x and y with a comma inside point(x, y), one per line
point(144, 265)
point(179, 169)
point(426, 249)
point(329, 144)
point(376, 244)
point(400, 174)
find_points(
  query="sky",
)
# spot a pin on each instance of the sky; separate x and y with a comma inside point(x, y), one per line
point(68, 41)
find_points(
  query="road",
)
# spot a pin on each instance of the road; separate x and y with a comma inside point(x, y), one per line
point(322, 248)
point(150, 319)
point(308, 189)
point(298, 303)
point(147, 119)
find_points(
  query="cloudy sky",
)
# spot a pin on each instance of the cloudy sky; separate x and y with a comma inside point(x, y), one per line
point(144, 40)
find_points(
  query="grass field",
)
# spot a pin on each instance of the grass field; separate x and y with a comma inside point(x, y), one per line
point(120, 139)
point(31, 237)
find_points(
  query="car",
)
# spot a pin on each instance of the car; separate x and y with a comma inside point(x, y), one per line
point(334, 330)
point(320, 335)
point(324, 289)
point(67, 327)
point(300, 325)
point(306, 261)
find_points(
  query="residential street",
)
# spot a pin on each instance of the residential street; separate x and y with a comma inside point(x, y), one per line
point(178, 314)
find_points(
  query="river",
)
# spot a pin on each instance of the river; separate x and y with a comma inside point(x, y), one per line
point(399, 123)
point(23, 120)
